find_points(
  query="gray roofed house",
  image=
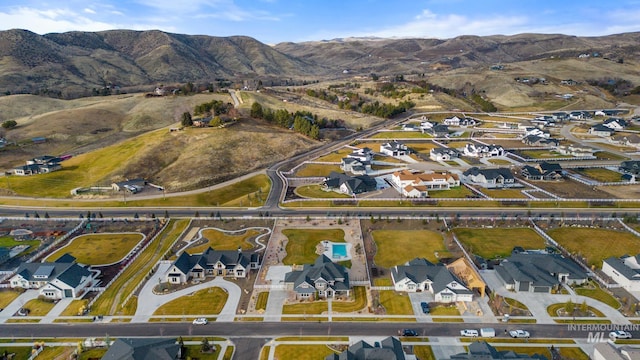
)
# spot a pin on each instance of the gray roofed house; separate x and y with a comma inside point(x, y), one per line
point(624, 271)
point(5, 254)
point(601, 130)
point(323, 278)
point(350, 185)
point(630, 167)
point(443, 154)
point(536, 272)
point(489, 178)
point(143, 349)
point(542, 171)
point(355, 166)
point(387, 349)
point(609, 351)
point(421, 275)
point(438, 130)
point(228, 263)
point(394, 148)
point(63, 278)
point(481, 350)
point(535, 140)
point(39, 165)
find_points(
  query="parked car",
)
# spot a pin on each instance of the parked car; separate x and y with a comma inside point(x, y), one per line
point(519, 334)
point(408, 332)
point(23, 312)
point(425, 307)
point(620, 334)
point(469, 332)
point(200, 321)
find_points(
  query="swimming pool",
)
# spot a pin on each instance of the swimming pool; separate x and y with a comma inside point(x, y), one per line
point(339, 251)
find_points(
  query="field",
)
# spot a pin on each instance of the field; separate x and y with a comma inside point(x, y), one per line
point(498, 242)
point(600, 174)
point(203, 302)
point(225, 241)
point(594, 244)
point(99, 249)
point(396, 247)
point(301, 247)
point(316, 170)
point(7, 296)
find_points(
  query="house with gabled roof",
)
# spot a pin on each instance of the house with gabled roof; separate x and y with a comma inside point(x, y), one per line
point(143, 349)
point(542, 171)
point(482, 151)
point(601, 130)
point(539, 272)
point(389, 348)
point(616, 124)
point(422, 275)
point(437, 130)
point(63, 278)
point(394, 148)
point(39, 165)
point(489, 178)
point(481, 350)
point(626, 140)
point(624, 270)
point(225, 263)
point(355, 166)
point(322, 279)
point(630, 167)
point(534, 140)
point(414, 184)
point(350, 185)
point(443, 154)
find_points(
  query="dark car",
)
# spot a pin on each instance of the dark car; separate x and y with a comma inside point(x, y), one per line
point(408, 332)
point(425, 307)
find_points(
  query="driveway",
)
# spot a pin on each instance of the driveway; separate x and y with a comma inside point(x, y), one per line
point(416, 298)
point(16, 304)
point(148, 302)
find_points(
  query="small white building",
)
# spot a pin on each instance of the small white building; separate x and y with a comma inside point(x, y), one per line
point(624, 271)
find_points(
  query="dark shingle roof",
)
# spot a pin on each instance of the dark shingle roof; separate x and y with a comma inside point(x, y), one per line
point(322, 268)
point(539, 269)
point(143, 349)
point(390, 349)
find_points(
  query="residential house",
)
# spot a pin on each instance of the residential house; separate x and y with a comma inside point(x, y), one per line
point(412, 184)
point(394, 148)
point(143, 349)
point(624, 271)
point(133, 185)
point(481, 350)
point(5, 254)
point(443, 154)
point(544, 120)
point(607, 350)
point(460, 122)
point(580, 115)
point(421, 275)
point(534, 131)
point(489, 178)
point(438, 130)
point(323, 278)
point(350, 185)
point(601, 130)
point(39, 165)
point(539, 272)
point(202, 122)
point(560, 116)
point(574, 151)
point(355, 166)
point(533, 140)
point(616, 124)
point(632, 140)
point(424, 125)
point(389, 348)
point(410, 127)
point(226, 263)
point(630, 167)
point(482, 151)
point(542, 171)
point(63, 278)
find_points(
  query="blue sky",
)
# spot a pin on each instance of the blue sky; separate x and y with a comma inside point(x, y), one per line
point(273, 21)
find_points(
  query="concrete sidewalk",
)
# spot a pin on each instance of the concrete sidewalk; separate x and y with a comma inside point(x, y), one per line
point(56, 311)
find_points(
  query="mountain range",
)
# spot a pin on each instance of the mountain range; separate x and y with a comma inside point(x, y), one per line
point(72, 64)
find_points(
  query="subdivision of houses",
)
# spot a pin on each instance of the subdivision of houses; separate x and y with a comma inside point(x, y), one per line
point(482, 151)
point(322, 279)
point(422, 275)
point(63, 278)
point(542, 171)
point(415, 185)
point(228, 263)
point(624, 270)
point(538, 272)
point(632, 140)
point(489, 178)
point(389, 348)
point(350, 185)
point(39, 165)
point(443, 154)
point(394, 148)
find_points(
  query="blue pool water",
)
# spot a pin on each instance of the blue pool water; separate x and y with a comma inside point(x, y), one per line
point(339, 251)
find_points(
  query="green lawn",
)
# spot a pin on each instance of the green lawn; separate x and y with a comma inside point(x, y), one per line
point(360, 301)
point(335, 156)
point(601, 174)
point(316, 170)
point(596, 244)
point(396, 247)
point(261, 302)
point(203, 302)
point(9, 242)
point(225, 241)
point(453, 193)
point(193, 352)
point(395, 303)
point(110, 302)
point(306, 307)
point(7, 296)
point(541, 154)
point(594, 291)
point(574, 353)
point(75, 308)
point(303, 352)
point(445, 311)
point(424, 352)
point(99, 249)
point(498, 242)
point(301, 247)
point(39, 307)
point(316, 192)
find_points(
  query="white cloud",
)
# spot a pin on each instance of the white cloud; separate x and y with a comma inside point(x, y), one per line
point(89, 11)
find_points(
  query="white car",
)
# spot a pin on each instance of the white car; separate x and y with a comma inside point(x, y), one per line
point(519, 334)
point(469, 332)
point(200, 321)
point(620, 334)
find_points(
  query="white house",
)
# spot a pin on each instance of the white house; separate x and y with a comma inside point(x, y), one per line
point(211, 262)
point(482, 151)
point(443, 154)
point(394, 148)
point(490, 178)
point(624, 271)
point(616, 124)
point(421, 275)
point(418, 184)
point(534, 131)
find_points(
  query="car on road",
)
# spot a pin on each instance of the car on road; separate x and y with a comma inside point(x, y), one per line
point(519, 334)
point(200, 321)
point(469, 332)
point(620, 334)
point(425, 307)
point(408, 332)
